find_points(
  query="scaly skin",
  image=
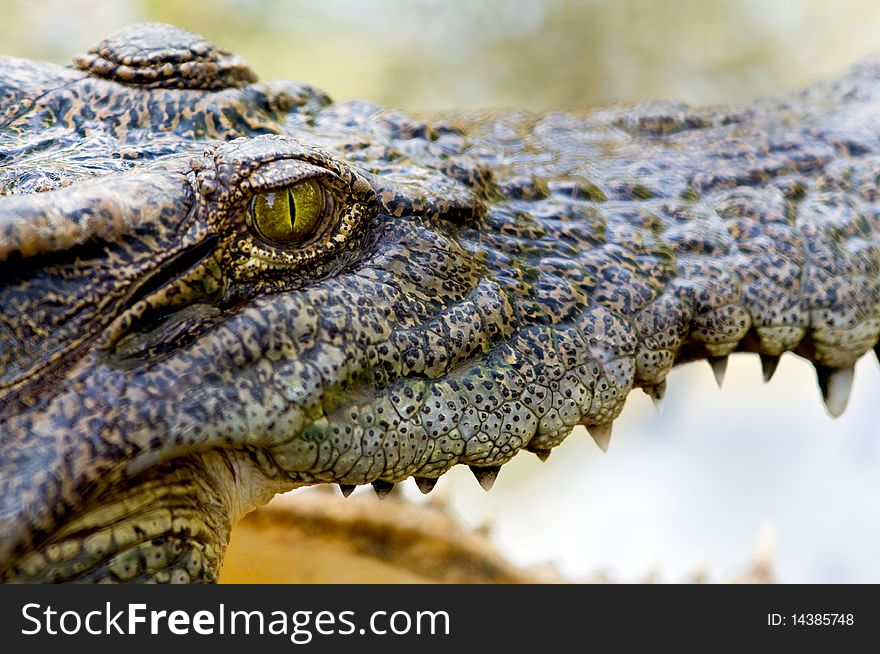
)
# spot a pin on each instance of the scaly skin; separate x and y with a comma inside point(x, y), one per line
point(483, 284)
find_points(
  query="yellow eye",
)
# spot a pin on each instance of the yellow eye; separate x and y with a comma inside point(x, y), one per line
point(288, 216)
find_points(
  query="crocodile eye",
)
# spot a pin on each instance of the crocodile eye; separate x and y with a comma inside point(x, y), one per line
point(289, 216)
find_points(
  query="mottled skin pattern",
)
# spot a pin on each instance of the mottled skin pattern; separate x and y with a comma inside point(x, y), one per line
point(480, 285)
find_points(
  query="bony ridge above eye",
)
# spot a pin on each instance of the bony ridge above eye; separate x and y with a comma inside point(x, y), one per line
point(288, 216)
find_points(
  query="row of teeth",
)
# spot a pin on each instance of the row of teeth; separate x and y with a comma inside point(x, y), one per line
point(485, 476)
point(836, 386)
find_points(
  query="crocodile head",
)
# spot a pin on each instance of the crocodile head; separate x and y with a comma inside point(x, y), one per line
point(215, 289)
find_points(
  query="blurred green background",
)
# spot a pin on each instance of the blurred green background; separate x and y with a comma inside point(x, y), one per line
point(693, 487)
point(430, 54)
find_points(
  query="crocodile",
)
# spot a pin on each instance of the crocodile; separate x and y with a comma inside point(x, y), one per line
point(215, 289)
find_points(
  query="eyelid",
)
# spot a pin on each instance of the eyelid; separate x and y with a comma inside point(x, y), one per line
point(285, 173)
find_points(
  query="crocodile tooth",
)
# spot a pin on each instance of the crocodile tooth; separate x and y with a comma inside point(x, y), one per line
point(485, 475)
point(658, 404)
point(601, 434)
point(877, 352)
point(541, 454)
point(426, 484)
point(382, 488)
point(346, 489)
point(835, 385)
point(657, 392)
point(719, 369)
point(768, 365)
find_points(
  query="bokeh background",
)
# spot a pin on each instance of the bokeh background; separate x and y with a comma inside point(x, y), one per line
point(695, 487)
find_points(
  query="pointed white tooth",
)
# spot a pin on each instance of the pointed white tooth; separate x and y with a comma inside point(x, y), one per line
point(486, 476)
point(657, 393)
point(719, 369)
point(601, 434)
point(768, 366)
point(658, 404)
point(836, 390)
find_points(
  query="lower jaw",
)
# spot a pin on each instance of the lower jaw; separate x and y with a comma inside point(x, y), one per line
point(171, 524)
